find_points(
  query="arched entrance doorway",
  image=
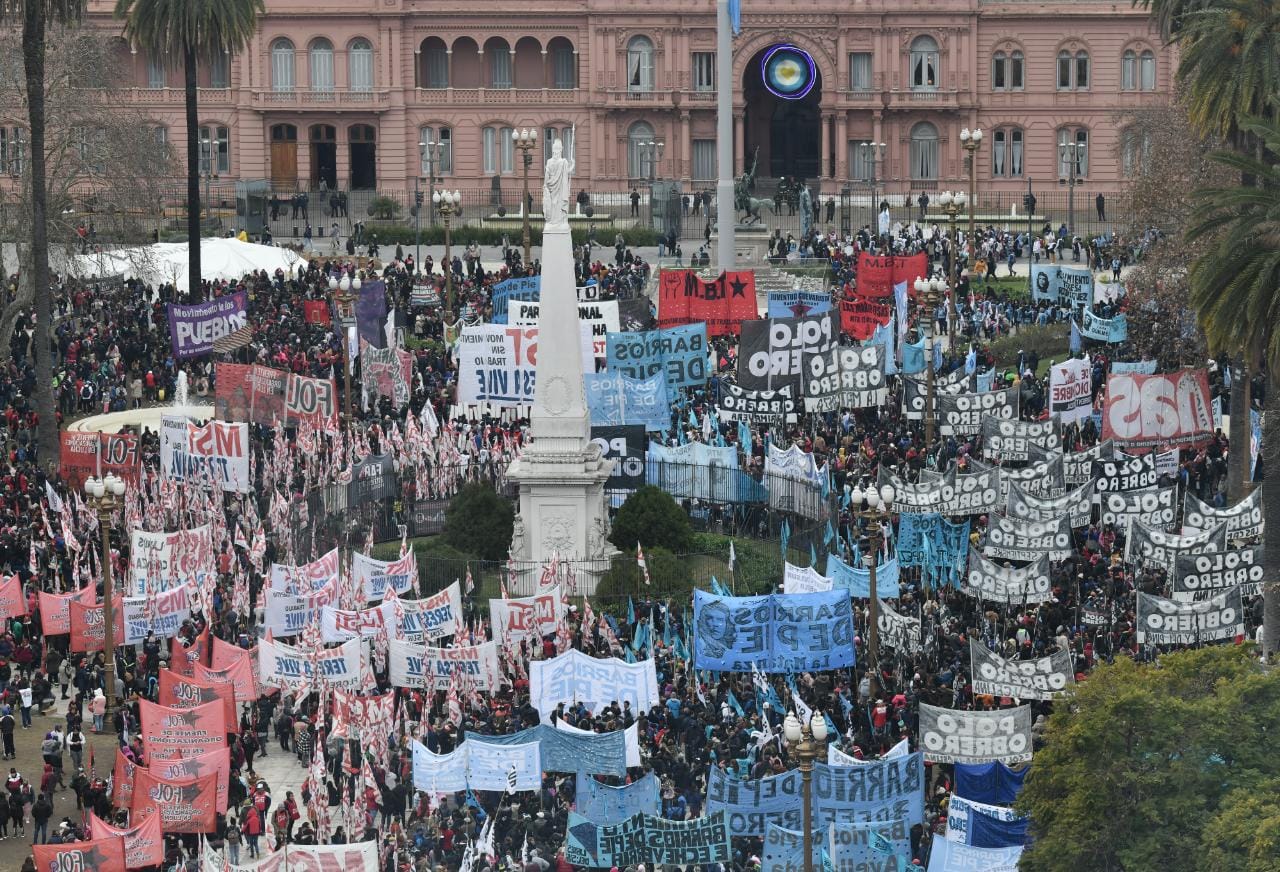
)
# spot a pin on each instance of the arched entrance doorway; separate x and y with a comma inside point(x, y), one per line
point(362, 139)
point(783, 92)
point(324, 156)
point(284, 156)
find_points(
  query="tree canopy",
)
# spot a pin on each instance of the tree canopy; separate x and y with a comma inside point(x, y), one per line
point(651, 517)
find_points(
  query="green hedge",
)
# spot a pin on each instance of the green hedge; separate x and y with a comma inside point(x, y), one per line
point(404, 234)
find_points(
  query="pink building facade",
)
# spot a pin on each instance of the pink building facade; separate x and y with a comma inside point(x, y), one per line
point(345, 91)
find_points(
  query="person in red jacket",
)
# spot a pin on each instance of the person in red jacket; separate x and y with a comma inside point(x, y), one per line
point(252, 829)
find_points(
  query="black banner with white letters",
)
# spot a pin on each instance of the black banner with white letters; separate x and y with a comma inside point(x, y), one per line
point(846, 377)
point(963, 414)
point(625, 446)
point(771, 352)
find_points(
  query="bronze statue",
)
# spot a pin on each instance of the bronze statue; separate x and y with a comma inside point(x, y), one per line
point(742, 199)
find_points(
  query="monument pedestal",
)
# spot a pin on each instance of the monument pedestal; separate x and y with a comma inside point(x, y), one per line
point(750, 245)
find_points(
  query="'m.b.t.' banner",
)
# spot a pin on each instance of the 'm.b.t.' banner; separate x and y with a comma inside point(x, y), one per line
point(877, 274)
point(723, 303)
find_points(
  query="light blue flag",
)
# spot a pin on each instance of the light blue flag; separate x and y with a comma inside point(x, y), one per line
point(631, 612)
point(735, 705)
point(693, 419)
point(744, 436)
point(813, 556)
point(735, 16)
point(970, 361)
point(829, 535)
point(937, 356)
point(630, 658)
point(680, 650)
point(785, 536)
point(1075, 337)
point(883, 335)
point(913, 357)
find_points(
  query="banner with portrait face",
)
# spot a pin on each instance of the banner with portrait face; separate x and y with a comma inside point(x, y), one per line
point(778, 633)
point(1041, 678)
point(954, 736)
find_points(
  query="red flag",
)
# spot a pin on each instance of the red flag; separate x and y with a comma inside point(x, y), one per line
point(12, 601)
point(197, 766)
point(122, 780)
point(182, 659)
point(242, 666)
point(143, 842)
point(96, 855)
point(184, 805)
point(169, 733)
point(88, 628)
point(181, 692)
point(640, 561)
point(55, 609)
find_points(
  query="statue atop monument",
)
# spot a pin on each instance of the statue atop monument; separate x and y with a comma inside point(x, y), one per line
point(555, 187)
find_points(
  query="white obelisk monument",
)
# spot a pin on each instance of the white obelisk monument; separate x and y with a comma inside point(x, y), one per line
point(561, 473)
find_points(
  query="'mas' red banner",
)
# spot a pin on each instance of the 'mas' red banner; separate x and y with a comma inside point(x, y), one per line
point(877, 274)
point(184, 692)
point(96, 855)
point(168, 734)
point(88, 627)
point(96, 454)
point(184, 805)
point(1158, 411)
point(143, 842)
point(684, 298)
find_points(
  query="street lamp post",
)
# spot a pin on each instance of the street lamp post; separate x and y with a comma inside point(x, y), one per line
point(1072, 153)
point(970, 140)
point(525, 140)
point(428, 152)
point(651, 151)
point(208, 171)
point(951, 204)
point(872, 508)
point(105, 495)
point(344, 294)
point(448, 204)
point(808, 742)
point(873, 156)
point(929, 290)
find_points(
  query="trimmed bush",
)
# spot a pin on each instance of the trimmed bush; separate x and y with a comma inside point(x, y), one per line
point(479, 522)
point(651, 517)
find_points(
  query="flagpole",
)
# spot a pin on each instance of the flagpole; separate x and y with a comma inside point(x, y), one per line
point(726, 213)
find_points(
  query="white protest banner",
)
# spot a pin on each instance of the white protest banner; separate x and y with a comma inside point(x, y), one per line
point(953, 736)
point(963, 414)
point(796, 579)
point(574, 677)
point(164, 561)
point(1157, 507)
point(1203, 574)
point(358, 857)
point(1005, 584)
point(497, 364)
point(1042, 678)
point(435, 617)
point(1077, 505)
point(1071, 391)
point(1012, 441)
point(899, 632)
point(1144, 545)
point(489, 765)
point(1125, 473)
point(287, 667)
point(1165, 622)
point(375, 576)
point(312, 576)
point(846, 377)
point(526, 617)
point(438, 774)
point(339, 625)
point(600, 317)
point(410, 665)
point(161, 613)
point(1244, 519)
point(977, 494)
point(630, 738)
point(215, 455)
point(288, 615)
point(1011, 539)
point(836, 757)
point(915, 392)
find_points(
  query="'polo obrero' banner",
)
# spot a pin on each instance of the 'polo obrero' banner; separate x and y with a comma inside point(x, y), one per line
point(413, 666)
point(1165, 622)
point(772, 352)
point(1043, 478)
point(954, 736)
point(846, 377)
point(1244, 519)
point(778, 633)
point(573, 677)
point(882, 790)
point(195, 328)
point(1042, 678)
point(964, 414)
point(1011, 539)
point(1156, 507)
point(976, 494)
point(1006, 584)
point(1077, 505)
point(915, 392)
point(1144, 545)
point(923, 496)
point(643, 838)
point(1125, 472)
point(1203, 574)
point(1011, 441)
point(756, 407)
point(287, 667)
point(1158, 411)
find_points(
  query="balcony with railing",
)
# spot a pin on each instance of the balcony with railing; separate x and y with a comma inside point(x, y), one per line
point(170, 96)
point(900, 98)
point(494, 96)
point(329, 99)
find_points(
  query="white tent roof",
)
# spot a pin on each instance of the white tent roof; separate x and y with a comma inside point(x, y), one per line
point(220, 258)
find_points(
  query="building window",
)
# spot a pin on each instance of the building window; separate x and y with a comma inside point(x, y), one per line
point(1147, 70)
point(565, 68)
point(220, 70)
point(924, 63)
point(444, 154)
point(489, 148)
point(282, 65)
point(924, 151)
point(1073, 71)
point(639, 160)
point(1082, 70)
point(704, 159)
point(14, 159)
point(1135, 151)
point(640, 64)
point(860, 165)
point(860, 71)
point(999, 71)
point(550, 135)
point(160, 135)
point(215, 150)
point(320, 58)
point(1006, 152)
point(1015, 152)
point(88, 143)
point(1079, 137)
point(360, 65)
point(1128, 70)
point(1016, 68)
point(704, 71)
point(500, 66)
point(437, 66)
point(155, 73)
point(499, 150)
point(999, 158)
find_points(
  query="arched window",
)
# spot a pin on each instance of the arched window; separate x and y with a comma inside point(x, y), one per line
point(499, 150)
point(282, 65)
point(1082, 71)
point(924, 63)
point(320, 59)
point(435, 67)
point(360, 64)
point(1128, 70)
point(1064, 71)
point(638, 159)
point(1073, 144)
point(640, 64)
point(220, 70)
point(999, 71)
point(499, 53)
point(1073, 71)
point(443, 155)
point(155, 72)
point(1016, 71)
point(924, 151)
point(1006, 152)
point(1135, 151)
point(550, 134)
point(1147, 70)
point(564, 65)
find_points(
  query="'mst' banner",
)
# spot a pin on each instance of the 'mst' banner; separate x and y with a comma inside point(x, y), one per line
point(723, 303)
point(97, 855)
point(877, 274)
point(185, 805)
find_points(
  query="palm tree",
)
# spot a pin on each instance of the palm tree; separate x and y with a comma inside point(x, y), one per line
point(1169, 15)
point(34, 16)
point(1233, 290)
point(193, 31)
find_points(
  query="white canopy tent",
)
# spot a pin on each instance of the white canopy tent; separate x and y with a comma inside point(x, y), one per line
point(220, 259)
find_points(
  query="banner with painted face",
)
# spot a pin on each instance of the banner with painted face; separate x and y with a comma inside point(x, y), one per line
point(194, 329)
point(723, 303)
point(526, 617)
point(177, 691)
point(96, 855)
point(846, 377)
point(600, 317)
point(963, 414)
point(1071, 391)
point(413, 665)
point(249, 392)
point(1012, 441)
point(798, 303)
point(644, 838)
point(290, 668)
point(949, 856)
point(375, 576)
point(678, 354)
point(1165, 622)
point(1109, 330)
point(1011, 539)
point(1124, 472)
point(573, 677)
point(884, 790)
point(856, 580)
point(215, 455)
point(756, 407)
point(1158, 411)
point(437, 616)
point(386, 372)
point(168, 733)
point(164, 561)
point(900, 632)
point(477, 764)
point(307, 577)
point(1063, 284)
point(772, 352)
point(1203, 574)
point(216, 763)
point(1157, 508)
point(161, 613)
point(954, 736)
point(1150, 547)
point(1244, 519)
point(1077, 505)
point(143, 842)
point(1005, 584)
point(1042, 678)
point(604, 804)
point(778, 633)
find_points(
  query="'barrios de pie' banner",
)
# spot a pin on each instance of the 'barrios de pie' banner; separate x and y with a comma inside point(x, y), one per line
point(778, 633)
point(644, 838)
point(193, 329)
point(1165, 622)
point(1042, 678)
point(954, 736)
point(723, 303)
